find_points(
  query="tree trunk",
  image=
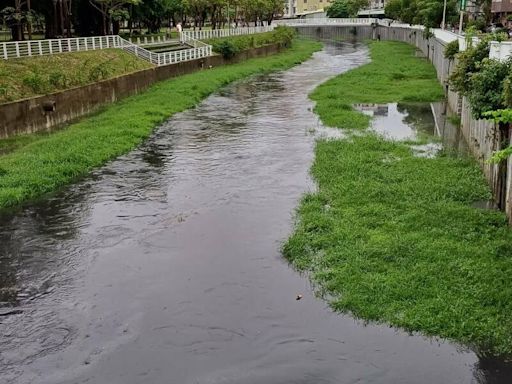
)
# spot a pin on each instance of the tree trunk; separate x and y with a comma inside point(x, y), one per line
point(62, 23)
point(29, 24)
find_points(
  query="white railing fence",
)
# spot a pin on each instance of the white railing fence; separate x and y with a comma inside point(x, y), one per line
point(198, 50)
point(215, 33)
point(326, 21)
point(16, 49)
point(152, 40)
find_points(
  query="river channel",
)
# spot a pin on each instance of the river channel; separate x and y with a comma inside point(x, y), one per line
point(164, 266)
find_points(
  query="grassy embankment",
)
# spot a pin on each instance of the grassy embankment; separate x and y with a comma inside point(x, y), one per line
point(393, 238)
point(39, 75)
point(42, 164)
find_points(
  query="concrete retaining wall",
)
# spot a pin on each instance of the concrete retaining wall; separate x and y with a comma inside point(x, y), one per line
point(47, 112)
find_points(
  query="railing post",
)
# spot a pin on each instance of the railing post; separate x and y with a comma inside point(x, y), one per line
point(17, 49)
point(40, 47)
point(5, 50)
point(29, 48)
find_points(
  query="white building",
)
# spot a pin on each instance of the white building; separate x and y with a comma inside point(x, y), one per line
point(290, 8)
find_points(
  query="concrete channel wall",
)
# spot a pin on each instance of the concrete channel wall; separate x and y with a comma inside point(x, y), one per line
point(45, 113)
point(482, 136)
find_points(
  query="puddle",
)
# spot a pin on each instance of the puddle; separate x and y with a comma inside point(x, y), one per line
point(486, 205)
point(400, 121)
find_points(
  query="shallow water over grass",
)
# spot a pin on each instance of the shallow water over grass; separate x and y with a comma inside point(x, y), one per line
point(164, 265)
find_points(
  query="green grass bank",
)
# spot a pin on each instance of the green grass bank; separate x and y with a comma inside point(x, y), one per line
point(41, 164)
point(391, 237)
point(39, 75)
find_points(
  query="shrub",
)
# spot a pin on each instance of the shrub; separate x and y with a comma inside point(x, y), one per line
point(487, 87)
point(227, 49)
point(451, 49)
point(469, 63)
point(230, 46)
point(57, 80)
point(35, 82)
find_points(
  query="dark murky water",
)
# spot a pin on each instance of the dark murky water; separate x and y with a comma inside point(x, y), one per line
point(164, 266)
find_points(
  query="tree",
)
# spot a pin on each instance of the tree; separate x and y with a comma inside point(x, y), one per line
point(109, 8)
point(346, 8)
point(15, 18)
point(339, 9)
point(426, 12)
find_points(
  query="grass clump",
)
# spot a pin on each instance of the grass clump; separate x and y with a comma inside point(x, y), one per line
point(42, 164)
point(39, 75)
point(384, 80)
point(392, 237)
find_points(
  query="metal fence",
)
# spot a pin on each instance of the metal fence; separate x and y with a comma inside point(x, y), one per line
point(16, 49)
point(197, 50)
point(326, 21)
point(215, 33)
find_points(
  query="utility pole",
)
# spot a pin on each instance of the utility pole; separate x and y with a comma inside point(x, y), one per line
point(461, 20)
point(443, 24)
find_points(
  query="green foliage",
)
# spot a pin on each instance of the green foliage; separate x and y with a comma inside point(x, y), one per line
point(427, 33)
point(230, 46)
point(398, 241)
point(227, 48)
point(425, 12)
point(486, 89)
point(346, 8)
point(485, 82)
point(396, 75)
point(469, 62)
point(500, 116)
point(451, 49)
point(40, 164)
point(35, 82)
point(478, 24)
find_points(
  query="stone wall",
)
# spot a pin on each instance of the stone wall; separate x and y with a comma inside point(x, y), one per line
point(47, 112)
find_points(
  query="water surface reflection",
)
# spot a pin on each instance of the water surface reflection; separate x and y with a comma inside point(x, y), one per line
point(164, 265)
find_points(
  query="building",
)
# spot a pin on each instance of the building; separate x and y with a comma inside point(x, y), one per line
point(308, 6)
point(500, 10)
point(290, 8)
